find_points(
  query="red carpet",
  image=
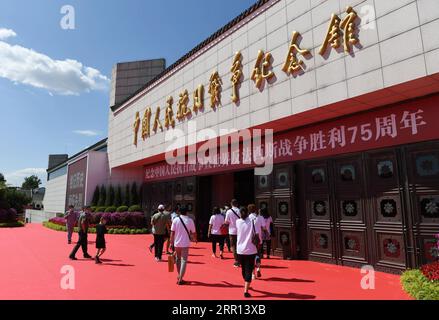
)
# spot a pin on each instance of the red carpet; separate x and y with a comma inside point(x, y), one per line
point(32, 258)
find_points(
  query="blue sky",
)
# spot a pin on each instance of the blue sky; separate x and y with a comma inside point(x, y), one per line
point(54, 83)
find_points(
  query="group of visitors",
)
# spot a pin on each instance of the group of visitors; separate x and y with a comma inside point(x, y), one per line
point(246, 231)
point(83, 222)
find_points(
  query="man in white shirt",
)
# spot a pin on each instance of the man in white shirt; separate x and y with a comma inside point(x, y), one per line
point(232, 215)
point(182, 229)
point(259, 224)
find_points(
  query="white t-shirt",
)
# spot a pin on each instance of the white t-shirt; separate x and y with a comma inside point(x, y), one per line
point(216, 220)
point(181, 238)
point(259, 222)
point(244, 237)
point(231, 219)
point(268, 221)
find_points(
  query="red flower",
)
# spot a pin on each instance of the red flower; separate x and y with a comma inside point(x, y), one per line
point(431, 271)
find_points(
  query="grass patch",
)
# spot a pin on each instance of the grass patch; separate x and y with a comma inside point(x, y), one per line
point(418, 286)
point(58, 227)
point(15, 224)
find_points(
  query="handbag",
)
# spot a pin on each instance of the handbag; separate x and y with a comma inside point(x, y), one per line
point(171, 262)
point(191, 238)
point(255, 237)
point(224, 229)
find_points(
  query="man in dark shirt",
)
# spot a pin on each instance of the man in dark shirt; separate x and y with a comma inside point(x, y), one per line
point(83, 223)
point(160, 221)
point(71, 217)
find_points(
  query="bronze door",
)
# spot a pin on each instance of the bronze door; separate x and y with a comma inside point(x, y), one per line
point(388, 223)
point(317, 210)
point(348, 204)
point(423, 193)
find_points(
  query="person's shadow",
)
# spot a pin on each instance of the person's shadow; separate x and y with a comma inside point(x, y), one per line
point(223, 284)
point(277, 279)
point(110, 262)
point(289, 295)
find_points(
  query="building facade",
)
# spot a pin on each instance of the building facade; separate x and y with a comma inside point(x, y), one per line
point(342, 95)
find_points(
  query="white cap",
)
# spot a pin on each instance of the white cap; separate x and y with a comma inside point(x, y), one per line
point(161, 207)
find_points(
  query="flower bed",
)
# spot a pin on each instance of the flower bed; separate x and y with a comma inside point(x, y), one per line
point(117, 223)
point(423, 283)
point(9, 219)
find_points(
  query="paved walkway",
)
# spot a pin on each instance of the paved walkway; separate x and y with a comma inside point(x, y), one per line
point(32, 258)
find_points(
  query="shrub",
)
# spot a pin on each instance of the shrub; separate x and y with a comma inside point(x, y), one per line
point(122, 209)
point(118, 197)
point(12, 224)
point(418, 286)
point(135, 208)
point(126, 196)
point(93, 209)
point(102, 197)
point(100, 209)
point(134, 195)
point(8, 215)
point(109, 199)
point(95, 200)
point(110, 209)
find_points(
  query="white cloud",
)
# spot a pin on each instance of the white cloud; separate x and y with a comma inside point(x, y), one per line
point(63, 77)
point(16, 178)
point(88, 133)
point(6, 33)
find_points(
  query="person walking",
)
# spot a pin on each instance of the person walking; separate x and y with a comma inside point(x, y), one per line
point(151, 246)
point(182, 232)
point(101, 230)
point(232, 215)
point(267, 233)
point(160, 222)
point(259, 225)
point(83, 223)
point(246, 248)
point(168, 213)
point(71, 218)
point(227, 236)
point(216, 223)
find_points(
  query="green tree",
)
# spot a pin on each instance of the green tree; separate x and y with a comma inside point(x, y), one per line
point(2, 179)
point(134, 195)
point(31, 183)
point(16, 199)
point(102, 197)
point(109, 200)
point(118, 197)
point(126, 196)
point(95, 200)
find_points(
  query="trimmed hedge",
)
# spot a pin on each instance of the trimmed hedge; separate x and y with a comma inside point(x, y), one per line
point(111, 230)
point(15, 224)
point(110, 209)
point(122, 209)
point(134, 208)
point(418, 286)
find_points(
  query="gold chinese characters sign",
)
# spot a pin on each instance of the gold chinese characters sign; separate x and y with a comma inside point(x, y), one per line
point(339, 32)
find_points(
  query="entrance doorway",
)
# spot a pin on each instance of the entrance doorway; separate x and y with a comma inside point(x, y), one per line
point(244, 187)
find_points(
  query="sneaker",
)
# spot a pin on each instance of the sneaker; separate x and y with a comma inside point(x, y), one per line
point(157, 259)
point(247, 295)
point(69, 242)
point(236, 265)
point(253, 276)
point(73, 258)
point(181, 282)
point(87, 256)
point(258, 274)
point(221, 256)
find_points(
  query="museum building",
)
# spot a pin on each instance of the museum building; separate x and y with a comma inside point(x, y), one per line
point(350, 89)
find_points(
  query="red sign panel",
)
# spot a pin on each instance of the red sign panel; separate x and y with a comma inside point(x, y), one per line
point(400, 124)
point(76, 183)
